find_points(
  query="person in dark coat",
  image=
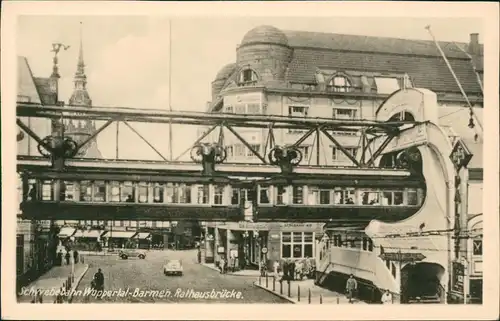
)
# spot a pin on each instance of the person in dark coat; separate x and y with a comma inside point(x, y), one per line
point(99, 279)
point(68, 257)
point(59, 258)
point(75, 256)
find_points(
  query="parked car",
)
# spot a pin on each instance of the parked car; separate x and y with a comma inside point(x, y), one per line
point(125, 254)
point(173, 267)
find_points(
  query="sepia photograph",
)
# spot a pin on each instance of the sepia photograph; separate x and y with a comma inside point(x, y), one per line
point(315, 160)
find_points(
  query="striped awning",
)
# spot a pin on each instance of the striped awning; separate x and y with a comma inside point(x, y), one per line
point(143, 235)
point(90, 233)
point(66, 232)
point(119, 234)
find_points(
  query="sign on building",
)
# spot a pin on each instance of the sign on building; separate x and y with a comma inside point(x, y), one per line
point(460, 155)
point(458, 275)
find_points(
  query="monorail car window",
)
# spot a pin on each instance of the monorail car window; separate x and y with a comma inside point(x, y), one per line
point(114, 191)
point(47, 190)
point(158, 193)
point(99, 191)
point(143, 192)
point(235, 197)
point(86, 191)
point(127, 192)
point(203, 194)
point(218, 194)
point(265, 197)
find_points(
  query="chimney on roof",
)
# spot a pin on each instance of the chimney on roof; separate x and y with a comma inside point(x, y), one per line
point(474, 44)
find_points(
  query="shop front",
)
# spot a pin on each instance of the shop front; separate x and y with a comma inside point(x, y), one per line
point(247, 244)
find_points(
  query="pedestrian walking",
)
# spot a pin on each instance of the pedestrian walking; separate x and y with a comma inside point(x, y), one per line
point(222, 265)
point(276, 266)
point(75, 256)
point(59, 260)
point(351, 287)
point(68, 257)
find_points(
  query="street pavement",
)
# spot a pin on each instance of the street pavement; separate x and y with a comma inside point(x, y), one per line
point(129, 280)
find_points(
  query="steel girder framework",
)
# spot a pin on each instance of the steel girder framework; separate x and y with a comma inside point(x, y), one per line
point(367, 130)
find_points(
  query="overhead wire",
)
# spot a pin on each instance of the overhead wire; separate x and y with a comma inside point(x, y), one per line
point(471, 110)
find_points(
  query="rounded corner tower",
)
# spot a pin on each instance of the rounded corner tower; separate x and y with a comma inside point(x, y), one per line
point(265, 49)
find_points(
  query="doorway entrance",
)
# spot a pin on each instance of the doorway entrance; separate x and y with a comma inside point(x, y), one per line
point(420, 282)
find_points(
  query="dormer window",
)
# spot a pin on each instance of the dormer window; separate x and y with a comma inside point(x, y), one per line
point(248, 76)
point(340, 84)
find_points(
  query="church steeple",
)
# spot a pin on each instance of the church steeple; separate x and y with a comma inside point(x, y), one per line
point(82, 129)
point(80, 96)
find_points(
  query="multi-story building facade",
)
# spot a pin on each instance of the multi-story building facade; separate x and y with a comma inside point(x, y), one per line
point(33, 237)
point(310, 74)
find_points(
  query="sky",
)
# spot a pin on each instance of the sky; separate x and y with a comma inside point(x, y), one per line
point(127, 60)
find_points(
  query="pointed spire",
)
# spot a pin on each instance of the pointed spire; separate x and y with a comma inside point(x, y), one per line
point(80, 96)
point(80, 70)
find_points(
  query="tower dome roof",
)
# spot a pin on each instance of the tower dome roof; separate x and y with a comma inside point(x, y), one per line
point(267, 34)
point(225, 71)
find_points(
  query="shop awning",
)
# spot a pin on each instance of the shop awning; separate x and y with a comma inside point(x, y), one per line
point(143, 235)
point(90, 233)
point(119, 234)
point(67, 232)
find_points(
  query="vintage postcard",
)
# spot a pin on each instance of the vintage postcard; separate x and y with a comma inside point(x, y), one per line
point(307, 161)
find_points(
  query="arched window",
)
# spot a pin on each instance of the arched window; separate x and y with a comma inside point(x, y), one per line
point(248, 76)
point(340, 83)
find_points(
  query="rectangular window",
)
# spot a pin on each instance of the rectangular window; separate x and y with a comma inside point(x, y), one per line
point(412, 197)
point(344, 113)
point(370, 198)
point(324, 197)
point(339, 84)
point(229, 109)
point(344, 197)
point(386, 85)
point(85, 191)
point(203, 192)
point(99, 191)
point(158, 190)
point(69, 192)
point(169, 193)
point(235, 198)
point(114, 191)
point(280, 195)
point(218, 195)
point(47, 190)
point(264, 195)
point(127, 192)
point(387, 198)
point(298, 195)
point(297, 111)
point(143, 192)
point(184, 194)
point(477, 247)
point(398, 197)
point(247, 75)
point(297, 245)
point(286, 250)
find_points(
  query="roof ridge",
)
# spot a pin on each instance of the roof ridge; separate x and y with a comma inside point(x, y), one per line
point(374, 37)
